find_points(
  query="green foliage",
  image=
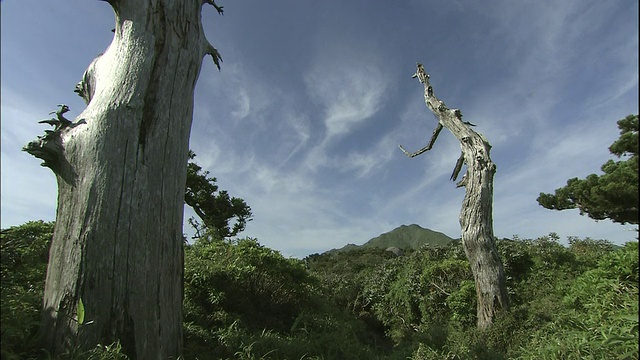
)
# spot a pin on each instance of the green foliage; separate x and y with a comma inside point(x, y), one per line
point(627, 144)
point(24, 252)
point(600, 315)
point(410, 294)
point(105, 352)
point(245, 280)
point(462, 303)
point(343, 274)
point(589, 251)
point(245, 301)
point(80, 312)
point(215, 207)
point(426, 301)
point(100, 352)
point(613, 195)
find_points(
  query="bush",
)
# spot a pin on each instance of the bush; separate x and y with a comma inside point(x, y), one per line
point(240, 282)
point(599, 318)
point(589, 251)
point(243, 300)
point(24, 252)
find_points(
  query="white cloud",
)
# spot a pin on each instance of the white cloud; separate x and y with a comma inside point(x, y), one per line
point(294, 135)
point(349, 93)
point(543, 71)
point(244, 105)
point(544, 81)
point(348, 82)
point(28, 190)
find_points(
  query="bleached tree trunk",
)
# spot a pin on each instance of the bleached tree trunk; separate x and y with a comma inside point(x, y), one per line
point(476, 216)
point(121, 170)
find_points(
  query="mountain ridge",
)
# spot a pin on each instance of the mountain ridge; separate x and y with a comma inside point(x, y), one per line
point(403, 237)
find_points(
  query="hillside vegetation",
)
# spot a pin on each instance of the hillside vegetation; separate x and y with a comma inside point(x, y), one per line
point(245, 301)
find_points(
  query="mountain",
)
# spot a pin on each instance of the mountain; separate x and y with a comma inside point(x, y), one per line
point(409, 237)
point(404, 237)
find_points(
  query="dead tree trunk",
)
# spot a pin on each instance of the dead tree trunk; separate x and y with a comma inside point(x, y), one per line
point(121, 171)
point(476, 220)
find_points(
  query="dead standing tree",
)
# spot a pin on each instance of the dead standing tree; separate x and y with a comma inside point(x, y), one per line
point(121, 167)
point(476, 219)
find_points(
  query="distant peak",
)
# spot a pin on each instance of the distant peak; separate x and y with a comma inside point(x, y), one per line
point(409, 226)
point(403, 237)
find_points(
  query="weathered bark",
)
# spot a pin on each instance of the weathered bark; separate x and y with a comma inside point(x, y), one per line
point(476, 218)
point(121, 171)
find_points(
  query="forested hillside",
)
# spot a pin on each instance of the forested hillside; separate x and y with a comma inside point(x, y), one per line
point(245, 301)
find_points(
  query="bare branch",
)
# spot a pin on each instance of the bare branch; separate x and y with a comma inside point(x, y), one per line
point(434, 136)
point(219, 9)
point(439, 288)
point(49, 147)
point(456, 170)
point(215, 55)
point(463, 181)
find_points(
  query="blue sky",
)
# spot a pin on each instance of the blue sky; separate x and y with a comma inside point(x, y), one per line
point(304, 119)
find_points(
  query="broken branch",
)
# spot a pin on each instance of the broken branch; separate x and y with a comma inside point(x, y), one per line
point(215, 55)
point(213, 3)
point(456, 170)
point(434, 136)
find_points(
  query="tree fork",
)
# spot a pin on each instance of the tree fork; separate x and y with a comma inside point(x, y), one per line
point(121, 172)
point(476, 218)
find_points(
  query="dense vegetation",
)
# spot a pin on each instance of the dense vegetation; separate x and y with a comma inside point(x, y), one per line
point(245, 301)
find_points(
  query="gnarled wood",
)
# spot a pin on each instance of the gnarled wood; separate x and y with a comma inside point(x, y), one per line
point(476, 218)
point(117, 244)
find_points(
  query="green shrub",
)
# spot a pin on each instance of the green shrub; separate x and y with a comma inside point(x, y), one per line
point(105, 352)
point(24, 252)
point(599, 318)
point(462, 302)
point(589, 251)
point(243, 300)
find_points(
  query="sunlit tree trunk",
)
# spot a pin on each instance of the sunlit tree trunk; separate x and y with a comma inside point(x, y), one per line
point(121, 170)
point(476, 216)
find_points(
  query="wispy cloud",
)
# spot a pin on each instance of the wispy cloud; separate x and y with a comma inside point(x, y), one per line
point(244, 105)
point(563, 61)
point(347, 82)
point(348, 93)
point(305, 125)
point(28, 191)
point(295, 140)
